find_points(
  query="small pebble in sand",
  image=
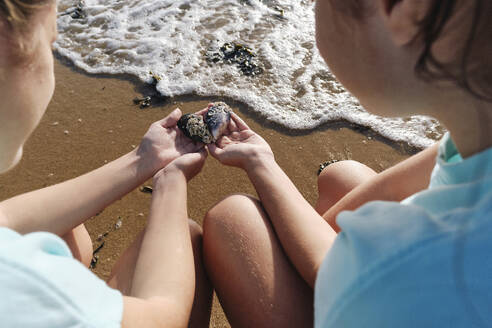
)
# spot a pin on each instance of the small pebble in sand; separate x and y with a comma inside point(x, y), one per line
point(325, 164)
point(118, 224)
point(79, 120)
point(66, 132)
point(140, 214)
point(55, 123)
point(146, 189)
point(51, 174)
point(133, 146)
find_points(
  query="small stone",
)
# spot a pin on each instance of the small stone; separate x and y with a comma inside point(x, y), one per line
point(79, 120)
point(140, 214)
point(55, 123)
point(66, 132)
point(51, 174)
point(118, 224)
point(146, 189)
point(133, 146)
point(325, 164)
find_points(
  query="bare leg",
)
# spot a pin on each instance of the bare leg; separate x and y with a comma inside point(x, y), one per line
point(254, 280)
point(122, 276)
point(336, 180)
point(79, 242)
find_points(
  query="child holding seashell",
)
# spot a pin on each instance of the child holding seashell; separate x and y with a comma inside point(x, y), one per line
point(156, 282)
point(409, 247)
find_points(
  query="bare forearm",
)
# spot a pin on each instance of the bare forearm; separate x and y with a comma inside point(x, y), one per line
point(62, 207)
point(393, 184)
point(167, 243)
point(303, 233)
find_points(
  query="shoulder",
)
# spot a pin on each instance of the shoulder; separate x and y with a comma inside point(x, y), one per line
point(391, 258)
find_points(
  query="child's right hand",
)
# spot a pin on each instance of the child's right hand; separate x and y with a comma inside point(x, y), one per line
point(241, 147)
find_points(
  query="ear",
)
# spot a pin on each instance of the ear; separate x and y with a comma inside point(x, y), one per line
point(402, 18)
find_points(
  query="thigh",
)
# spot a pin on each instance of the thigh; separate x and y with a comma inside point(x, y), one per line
point(337, 179)
point(254, 280)
point(80, 243)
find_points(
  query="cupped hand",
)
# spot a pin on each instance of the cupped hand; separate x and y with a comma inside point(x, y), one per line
point(164, 142)
point(240, 146)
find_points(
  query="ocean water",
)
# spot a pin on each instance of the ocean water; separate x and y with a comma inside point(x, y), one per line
point(170, 39)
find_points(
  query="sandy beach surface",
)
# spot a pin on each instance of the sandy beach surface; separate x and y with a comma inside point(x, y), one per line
point(93, 120)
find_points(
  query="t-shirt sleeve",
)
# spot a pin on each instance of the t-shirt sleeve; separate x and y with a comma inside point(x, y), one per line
point(43, 286)
point(368, 278)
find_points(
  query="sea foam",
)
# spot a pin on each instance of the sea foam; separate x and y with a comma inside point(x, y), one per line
point(170, 38)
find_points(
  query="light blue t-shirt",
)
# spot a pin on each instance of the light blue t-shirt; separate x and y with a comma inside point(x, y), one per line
point(43, 286)
point(424, 262)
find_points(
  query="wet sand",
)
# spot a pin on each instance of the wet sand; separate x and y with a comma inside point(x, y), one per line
point(92, 120)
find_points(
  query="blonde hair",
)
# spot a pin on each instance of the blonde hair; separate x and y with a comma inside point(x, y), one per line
point(16, 15)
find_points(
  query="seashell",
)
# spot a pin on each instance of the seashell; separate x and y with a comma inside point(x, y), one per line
point(217, 119)
point(208, 129)
point(194, 127)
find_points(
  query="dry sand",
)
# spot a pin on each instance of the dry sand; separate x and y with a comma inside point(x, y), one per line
point(92, 120)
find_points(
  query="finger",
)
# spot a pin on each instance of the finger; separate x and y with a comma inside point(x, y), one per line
point(232, 126)
point(171, 119)
point(202, 111)
point(215, 151)
point(239, 122)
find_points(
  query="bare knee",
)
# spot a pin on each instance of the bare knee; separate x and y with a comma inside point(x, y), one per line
point(225, 220)
point(227, 209)
point(336, 180)
point(344, 172)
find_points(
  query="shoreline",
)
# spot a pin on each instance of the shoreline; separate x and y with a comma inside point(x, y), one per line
point(145, 89)
point(92, 120)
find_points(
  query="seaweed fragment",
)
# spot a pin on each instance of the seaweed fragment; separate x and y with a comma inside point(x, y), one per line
point(95, 257)
point(78, 12)
point(236, 53)
point(143, 102)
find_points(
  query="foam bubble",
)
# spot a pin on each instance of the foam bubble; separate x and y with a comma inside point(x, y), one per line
point(170, 38)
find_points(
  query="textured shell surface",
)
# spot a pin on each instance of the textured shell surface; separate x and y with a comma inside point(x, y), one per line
point(208, 129)
point(217, 119)
point(194, 127)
